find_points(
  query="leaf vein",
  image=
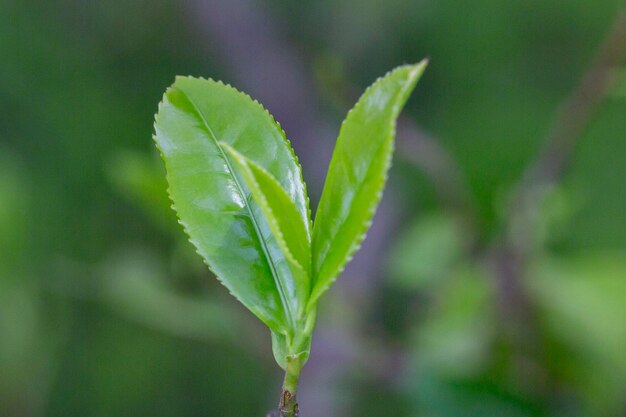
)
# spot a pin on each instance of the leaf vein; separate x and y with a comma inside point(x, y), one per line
point(262, 241)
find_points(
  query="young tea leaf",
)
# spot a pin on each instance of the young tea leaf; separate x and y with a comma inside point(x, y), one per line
point(287, 226)
point(357, 174)
point(217, 210)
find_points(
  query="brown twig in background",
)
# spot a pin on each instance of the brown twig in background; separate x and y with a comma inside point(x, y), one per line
point(568, 126)
point(510, 257)
point(570, 122)
point(577, 110)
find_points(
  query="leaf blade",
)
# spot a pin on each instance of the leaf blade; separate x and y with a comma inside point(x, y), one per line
point(282, 217)
point(194, 116)
point(357, 174)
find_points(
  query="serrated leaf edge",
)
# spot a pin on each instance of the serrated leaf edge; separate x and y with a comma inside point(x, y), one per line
point(309, 221)
point(414, 75)
point(272, 324)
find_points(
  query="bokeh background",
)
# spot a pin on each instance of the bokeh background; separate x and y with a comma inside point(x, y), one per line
point(493, 282)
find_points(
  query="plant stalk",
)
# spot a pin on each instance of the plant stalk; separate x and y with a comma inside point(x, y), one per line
point(288, 404)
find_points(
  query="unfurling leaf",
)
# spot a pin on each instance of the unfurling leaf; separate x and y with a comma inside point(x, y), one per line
point(288, 228)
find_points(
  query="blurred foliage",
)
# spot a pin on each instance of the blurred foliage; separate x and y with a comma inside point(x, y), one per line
point(105, 310)
point(426, 253)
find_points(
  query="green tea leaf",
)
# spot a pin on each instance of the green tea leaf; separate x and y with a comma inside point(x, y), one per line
point(287, 226)
point(217, 210)
point(357, 174)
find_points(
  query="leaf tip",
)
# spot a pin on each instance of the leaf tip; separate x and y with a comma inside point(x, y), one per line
point(418, 69)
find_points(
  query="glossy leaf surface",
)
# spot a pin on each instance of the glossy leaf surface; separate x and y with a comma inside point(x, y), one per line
point(288, 228)
point(215, 207)
point(357, 174)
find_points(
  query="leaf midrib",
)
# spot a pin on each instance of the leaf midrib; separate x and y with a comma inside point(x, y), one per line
point(279, 286)
point(395, 111)
point(341, 228)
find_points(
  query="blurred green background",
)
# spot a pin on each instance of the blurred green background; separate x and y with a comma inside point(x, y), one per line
point(464, 301)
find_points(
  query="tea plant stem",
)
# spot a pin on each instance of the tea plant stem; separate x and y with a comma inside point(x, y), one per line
point(288, 404)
